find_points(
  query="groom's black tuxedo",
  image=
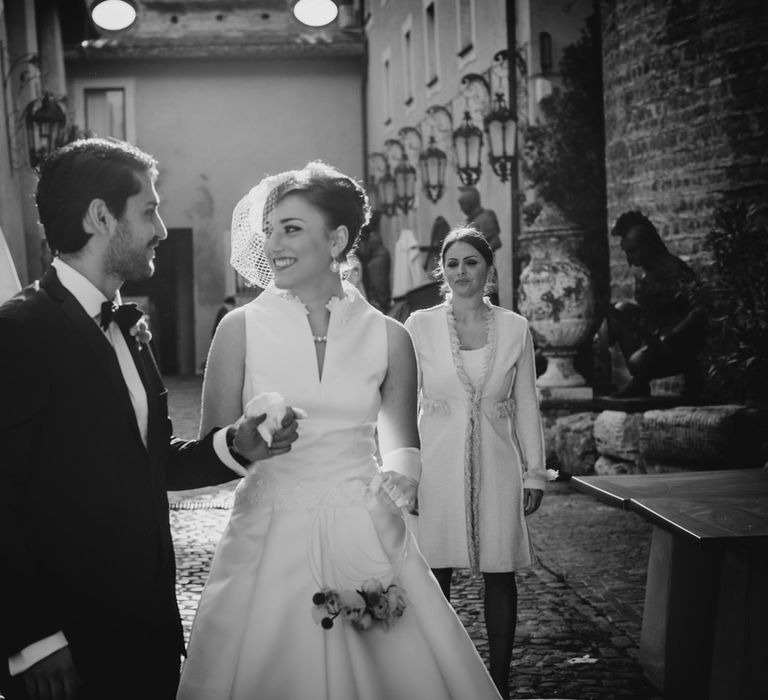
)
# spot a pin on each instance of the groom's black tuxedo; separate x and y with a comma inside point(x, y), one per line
point(85, 541)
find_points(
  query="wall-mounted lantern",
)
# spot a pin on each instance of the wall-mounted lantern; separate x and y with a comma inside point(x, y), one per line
point(432, 163)
point(381, 185)
point(403, 180)
point(468, 146)
point(387, 194)
point(405, 172)
point(45, 121)
point(405, 185)
point(501, 128)
point(545, 51)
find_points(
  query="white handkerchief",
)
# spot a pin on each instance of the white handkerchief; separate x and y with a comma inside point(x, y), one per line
point(274, 405)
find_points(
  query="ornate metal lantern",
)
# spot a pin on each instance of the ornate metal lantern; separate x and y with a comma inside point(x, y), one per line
point(405, 185)
point(432, 163)
point(45, 121)
point(501, 128)
point(387, 194)
point(468, 145)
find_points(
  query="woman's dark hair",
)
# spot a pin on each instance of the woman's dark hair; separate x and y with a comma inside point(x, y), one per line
point(342, 200)
point(76, 174)
point(473, 237)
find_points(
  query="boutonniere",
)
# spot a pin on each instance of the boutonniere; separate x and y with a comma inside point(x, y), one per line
point(140, 331)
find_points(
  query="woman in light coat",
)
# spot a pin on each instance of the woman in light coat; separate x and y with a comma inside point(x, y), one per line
point(481, 437)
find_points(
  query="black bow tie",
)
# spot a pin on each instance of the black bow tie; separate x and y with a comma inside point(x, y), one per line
point(124, 315)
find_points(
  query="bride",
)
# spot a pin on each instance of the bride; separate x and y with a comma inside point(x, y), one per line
point(317, 589)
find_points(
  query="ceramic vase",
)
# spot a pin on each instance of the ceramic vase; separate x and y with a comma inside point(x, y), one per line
point(556, 295)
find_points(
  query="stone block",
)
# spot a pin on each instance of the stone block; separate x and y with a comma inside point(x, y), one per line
point(668, 386)
point(658, 468)
point(617, 434)
point(551, 412)
point(610, 466)
point(574, 443)
point(726, 436)
point(548, 422)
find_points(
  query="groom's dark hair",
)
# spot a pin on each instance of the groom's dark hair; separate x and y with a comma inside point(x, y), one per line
point(76, 174)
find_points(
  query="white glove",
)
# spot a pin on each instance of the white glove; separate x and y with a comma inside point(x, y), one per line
point(400, 490)
point(399, 477)
point(275, 407)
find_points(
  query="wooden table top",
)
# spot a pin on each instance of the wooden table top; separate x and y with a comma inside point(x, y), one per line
point(710, 507)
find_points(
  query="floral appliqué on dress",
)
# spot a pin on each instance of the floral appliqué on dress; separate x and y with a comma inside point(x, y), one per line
point(340, 307)
point(371, 605)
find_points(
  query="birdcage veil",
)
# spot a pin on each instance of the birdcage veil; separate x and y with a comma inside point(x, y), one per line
point(251, 224)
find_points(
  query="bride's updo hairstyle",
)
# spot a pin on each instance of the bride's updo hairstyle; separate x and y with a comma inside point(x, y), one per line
point(470, 236)
point(342, 200)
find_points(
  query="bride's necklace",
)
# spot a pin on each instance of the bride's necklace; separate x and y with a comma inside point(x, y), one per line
point(322, 339)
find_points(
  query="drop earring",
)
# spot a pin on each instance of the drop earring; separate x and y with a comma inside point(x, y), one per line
point(334, 265)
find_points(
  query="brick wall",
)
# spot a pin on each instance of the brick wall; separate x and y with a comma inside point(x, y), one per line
point(686, 107)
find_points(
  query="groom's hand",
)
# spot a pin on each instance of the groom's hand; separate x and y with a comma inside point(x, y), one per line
point(249, 442)
point(53, 678)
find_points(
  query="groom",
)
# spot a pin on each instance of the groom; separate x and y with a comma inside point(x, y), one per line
point(87, 575)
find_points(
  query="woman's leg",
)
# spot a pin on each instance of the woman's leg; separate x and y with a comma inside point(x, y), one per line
point(443, 577)
point(500, 623)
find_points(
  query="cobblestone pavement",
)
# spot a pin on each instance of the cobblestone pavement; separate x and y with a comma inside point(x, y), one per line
point(579, 609)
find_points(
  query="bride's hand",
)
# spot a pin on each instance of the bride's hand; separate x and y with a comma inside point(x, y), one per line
point(400, 489)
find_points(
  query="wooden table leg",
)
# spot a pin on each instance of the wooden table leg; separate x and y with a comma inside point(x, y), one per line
point(679, 615)
point(740, 651)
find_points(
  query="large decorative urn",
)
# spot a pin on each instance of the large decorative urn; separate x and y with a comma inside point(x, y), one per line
point(556, 295)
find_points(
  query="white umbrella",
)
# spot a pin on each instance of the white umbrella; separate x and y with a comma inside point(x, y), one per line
point(9, 280)
point(409, 271)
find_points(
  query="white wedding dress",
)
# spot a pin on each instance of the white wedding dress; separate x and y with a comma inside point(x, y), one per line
point(301, 523)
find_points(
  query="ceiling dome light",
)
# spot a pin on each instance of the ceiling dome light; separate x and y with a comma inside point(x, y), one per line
point(315, 13)
point(113, 15)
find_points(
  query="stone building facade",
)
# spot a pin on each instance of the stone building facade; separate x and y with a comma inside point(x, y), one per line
point(221, 92)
